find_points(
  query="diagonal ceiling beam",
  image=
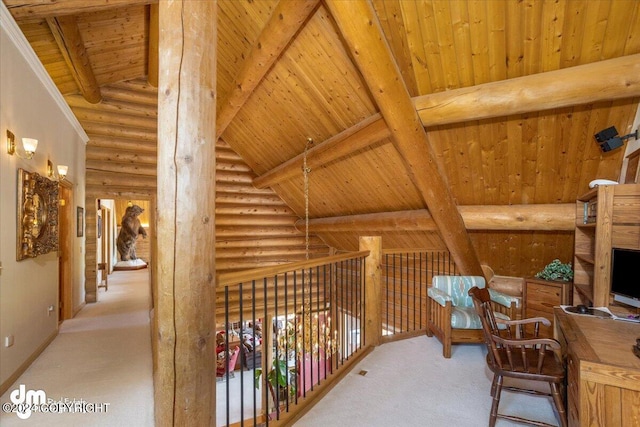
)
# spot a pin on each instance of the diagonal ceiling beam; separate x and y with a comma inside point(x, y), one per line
point(363, 134)
point(67, 35)
point(617, 78)
point(285, 22)
point(541, 217)
point(361, 30)
point(43, 9)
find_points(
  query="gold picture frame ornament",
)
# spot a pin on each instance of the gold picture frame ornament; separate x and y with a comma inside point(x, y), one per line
point(37, 219)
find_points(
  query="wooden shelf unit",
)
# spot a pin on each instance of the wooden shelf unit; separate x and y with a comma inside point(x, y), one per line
point(606, 217)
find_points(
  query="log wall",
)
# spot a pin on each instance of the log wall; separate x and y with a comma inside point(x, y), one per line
point(253, 227)
point(120, 156)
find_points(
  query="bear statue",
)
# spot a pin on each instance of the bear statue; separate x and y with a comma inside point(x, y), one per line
point(129, 231)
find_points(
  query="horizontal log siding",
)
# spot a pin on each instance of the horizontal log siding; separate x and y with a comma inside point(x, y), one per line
point(254, 228)
point(120, 157)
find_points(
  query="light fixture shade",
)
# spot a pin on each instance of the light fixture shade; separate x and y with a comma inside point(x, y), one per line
point(62, 170)
point(29, 145)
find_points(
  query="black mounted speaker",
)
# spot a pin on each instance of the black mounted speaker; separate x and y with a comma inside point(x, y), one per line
point(611, 144)
point(606, 134)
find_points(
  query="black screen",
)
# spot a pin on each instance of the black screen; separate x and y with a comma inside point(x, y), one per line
point(625, 273)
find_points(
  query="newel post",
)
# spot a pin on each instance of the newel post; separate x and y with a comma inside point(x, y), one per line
point(373, 289)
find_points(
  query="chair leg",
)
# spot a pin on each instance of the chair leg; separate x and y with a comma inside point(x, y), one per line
point(493, 386)
point(496, 401)
point(557, 398)
point(446, 348)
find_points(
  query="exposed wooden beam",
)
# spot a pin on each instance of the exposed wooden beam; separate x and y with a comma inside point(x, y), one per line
point(67, 35)
point(543, 217)
point(286, 20)
point(43, 9)
point(184, 383)
point(362, 33)
point(363, 134)
point(599, 81)
point(616, 78)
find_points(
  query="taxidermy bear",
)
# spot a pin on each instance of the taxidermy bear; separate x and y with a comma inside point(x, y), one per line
point(129, 232)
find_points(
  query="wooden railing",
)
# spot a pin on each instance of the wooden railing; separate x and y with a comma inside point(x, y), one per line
point(406, 276)
point(295, 326)
point(307, 321)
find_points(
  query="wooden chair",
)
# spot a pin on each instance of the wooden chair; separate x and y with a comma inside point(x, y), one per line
point(225, 370)
point(513, 354)
point(450, 313)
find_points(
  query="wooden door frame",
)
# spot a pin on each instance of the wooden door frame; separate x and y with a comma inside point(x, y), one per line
point(65, 251)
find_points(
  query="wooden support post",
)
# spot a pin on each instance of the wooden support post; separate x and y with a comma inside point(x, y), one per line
point(373, 289)
point(185, 269)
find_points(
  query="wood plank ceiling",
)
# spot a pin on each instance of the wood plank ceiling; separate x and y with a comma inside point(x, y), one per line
point(315, 89)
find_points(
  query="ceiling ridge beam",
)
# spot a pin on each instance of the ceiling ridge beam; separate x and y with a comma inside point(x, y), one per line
point(363, 35)
point(43, 9)
point(553, 89)
point(67, 35)
point(534, 217)
point(285, 22)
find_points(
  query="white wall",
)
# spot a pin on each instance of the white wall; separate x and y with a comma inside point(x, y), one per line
point(30, 106)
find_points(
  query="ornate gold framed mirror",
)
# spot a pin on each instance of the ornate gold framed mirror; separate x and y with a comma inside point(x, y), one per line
point(37, 224)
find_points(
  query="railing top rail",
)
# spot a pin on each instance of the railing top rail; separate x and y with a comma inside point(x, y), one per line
point(411, 251)
point(233, 278)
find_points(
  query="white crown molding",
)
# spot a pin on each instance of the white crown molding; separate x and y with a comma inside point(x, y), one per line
point(10, 26)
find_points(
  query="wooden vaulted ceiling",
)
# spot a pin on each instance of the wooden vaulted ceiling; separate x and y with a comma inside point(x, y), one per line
point(496, 85)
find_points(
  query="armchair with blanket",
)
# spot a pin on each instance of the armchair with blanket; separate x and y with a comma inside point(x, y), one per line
point(451, 316)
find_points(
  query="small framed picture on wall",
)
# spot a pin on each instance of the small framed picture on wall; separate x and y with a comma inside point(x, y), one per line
point(80, 221)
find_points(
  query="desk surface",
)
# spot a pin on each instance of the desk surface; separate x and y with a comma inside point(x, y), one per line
point(600, 340)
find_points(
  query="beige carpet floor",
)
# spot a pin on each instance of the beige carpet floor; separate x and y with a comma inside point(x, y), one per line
point(103, 355)
point(409, 383)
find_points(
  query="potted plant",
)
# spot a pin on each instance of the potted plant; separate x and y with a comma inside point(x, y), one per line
point(279, 380)
point(557, 271)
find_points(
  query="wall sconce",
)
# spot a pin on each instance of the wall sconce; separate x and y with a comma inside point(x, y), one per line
point(29, 146)
point(62, 171)
point(610, 140)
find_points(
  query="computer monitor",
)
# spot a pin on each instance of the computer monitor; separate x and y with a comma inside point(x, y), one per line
point(625, 276)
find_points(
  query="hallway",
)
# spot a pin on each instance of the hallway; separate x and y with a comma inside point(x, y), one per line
point(101, 358)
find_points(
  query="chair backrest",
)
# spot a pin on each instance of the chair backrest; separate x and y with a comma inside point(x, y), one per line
point(234, 358)
point(457, 287)
point(508, 350)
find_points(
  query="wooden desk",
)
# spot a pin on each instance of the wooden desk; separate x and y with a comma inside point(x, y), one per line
point(603, 374)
